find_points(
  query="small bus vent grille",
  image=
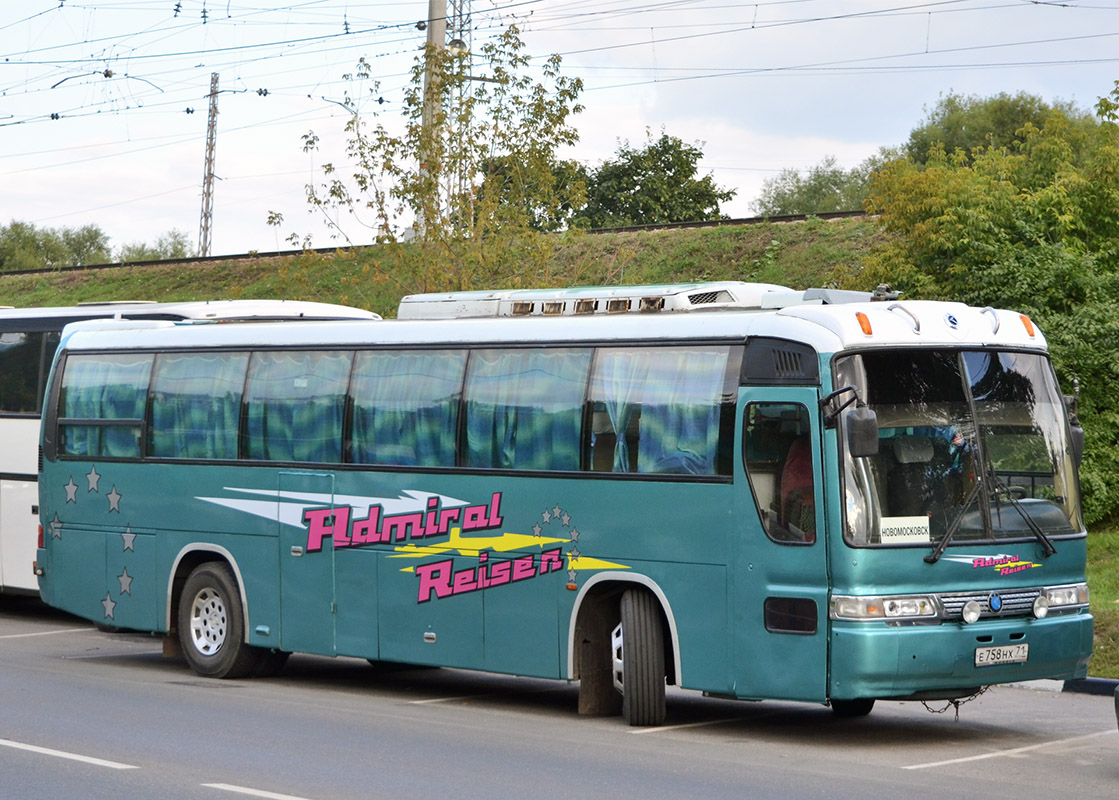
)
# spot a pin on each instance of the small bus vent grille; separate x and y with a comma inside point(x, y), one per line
point(553, 308)
point(706, 298)
point(1015, 602)
point(617, 306)
point(585, 306)
point(787, 364)
point(522, 308)
point(40, 459)
point(779, 362)
point(651, 304)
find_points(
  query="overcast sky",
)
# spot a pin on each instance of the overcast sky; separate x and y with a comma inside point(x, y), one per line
point(763, 86)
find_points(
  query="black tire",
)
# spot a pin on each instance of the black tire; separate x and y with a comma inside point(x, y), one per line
point(852, 708)
point(643, 675)
point(212, 624)
point(271, 663)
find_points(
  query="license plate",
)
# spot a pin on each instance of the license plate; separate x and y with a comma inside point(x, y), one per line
point(1009, 654)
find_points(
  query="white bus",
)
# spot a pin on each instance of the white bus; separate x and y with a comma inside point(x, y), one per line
point(28, 339)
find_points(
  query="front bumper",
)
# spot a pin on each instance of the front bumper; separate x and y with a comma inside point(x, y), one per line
point(876, 659)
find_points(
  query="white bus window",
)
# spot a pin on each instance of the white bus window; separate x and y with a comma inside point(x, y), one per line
point(777, 449)
point(406, 407)
point(102, 404)
point(196, 405)
point(524, 408)
point(658, 409)
point(296, 406)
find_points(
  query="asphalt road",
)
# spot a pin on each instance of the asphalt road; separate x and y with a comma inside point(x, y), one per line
point(87, 714)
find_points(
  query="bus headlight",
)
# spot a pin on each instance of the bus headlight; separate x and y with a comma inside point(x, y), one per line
point(887, 607)
point(971, 611)
point(1064, 596)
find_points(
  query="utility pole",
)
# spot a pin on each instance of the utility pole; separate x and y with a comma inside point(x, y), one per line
point(208, 174)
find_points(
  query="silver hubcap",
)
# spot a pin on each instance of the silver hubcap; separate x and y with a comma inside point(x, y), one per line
point(616, 656)
point(208, 622)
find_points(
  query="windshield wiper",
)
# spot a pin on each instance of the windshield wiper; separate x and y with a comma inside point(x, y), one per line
point(1047, 546)
point(935, 555)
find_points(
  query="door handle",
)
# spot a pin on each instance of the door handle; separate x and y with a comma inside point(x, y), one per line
point(296, 550)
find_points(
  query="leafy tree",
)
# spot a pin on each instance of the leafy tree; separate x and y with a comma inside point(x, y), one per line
point(658, 183)
point(23, 246)
point(964, 123)
point(173, 244)
point(827, 187)
point(1033, 225)
point(471, 178)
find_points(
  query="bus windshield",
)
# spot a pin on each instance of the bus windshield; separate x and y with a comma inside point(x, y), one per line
point(972, 443)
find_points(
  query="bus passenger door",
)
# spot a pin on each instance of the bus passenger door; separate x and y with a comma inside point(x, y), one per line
point(780, 583)
point(307, 605)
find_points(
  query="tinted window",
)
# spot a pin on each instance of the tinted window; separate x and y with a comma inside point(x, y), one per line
point(777, 449)
point(111, 392)
point(24, 360)
point(659, 410)
point(524, 408)
point(296, 405)
point(406, 407)
point(196, 405)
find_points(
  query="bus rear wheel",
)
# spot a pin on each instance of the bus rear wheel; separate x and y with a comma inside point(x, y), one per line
point(637, 650)
point(859, 707)
point(212, 624)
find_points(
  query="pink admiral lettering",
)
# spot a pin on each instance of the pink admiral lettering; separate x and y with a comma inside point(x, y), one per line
point(379, 528)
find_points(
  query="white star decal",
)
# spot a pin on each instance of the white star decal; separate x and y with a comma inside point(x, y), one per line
point(574, 534)
point(71, 490)
point(566, 519)
point(93, 476)
point(56, 527)
point(129, 539)
point(109, 605)
point(537, 530)
point(125, 582)
point(114, 500)
point(547, 515)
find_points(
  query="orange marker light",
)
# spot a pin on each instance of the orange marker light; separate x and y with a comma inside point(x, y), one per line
point(1029, 325)
point(864, 323)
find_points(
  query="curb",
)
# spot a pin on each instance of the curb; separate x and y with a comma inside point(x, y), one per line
point(1096, 686)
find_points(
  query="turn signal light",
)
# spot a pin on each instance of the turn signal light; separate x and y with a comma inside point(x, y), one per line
point(864, 323)
point(1026, 321)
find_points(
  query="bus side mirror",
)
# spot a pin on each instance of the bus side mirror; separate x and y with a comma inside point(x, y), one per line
point(1076, 439)
point(862, 432)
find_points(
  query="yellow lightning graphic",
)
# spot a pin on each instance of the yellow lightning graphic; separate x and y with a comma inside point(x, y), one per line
point(473, 545)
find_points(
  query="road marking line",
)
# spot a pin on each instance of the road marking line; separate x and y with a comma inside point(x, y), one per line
point(46, 751)
point(225, 787)
point(43, 633)
point(660, 728)
point(1015, 751)
point(449, 699)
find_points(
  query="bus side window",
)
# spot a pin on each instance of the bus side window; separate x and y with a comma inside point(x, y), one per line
point(658, 409)
point(524, 408)
point(20, 368)
point(296, 403)
point(777, 450)
point(102, 404)
point(406, 407)
point(196, 405)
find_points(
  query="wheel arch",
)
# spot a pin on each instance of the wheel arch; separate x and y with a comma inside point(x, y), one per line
point(190, 558)
point(605, 587)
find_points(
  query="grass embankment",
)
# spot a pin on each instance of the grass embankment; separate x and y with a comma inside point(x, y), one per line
point(794, 254)
point(799, 255)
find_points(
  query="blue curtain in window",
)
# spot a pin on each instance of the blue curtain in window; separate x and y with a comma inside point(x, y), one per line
point(105, 387)
point(406, 407)
point(196, 405)
point(524, 408)
point(675, 393)
point(296, 403)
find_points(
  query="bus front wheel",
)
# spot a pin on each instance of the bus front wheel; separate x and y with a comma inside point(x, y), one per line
point(637, 647)
point(211, 624)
